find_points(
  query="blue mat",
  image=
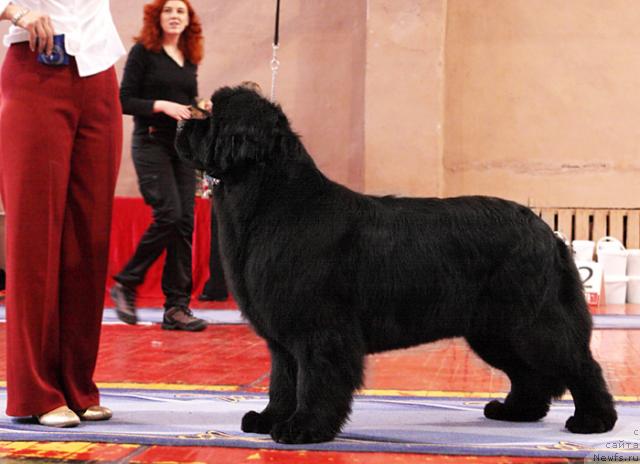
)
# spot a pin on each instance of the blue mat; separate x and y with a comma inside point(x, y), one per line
point(616, 321)
point(233, 316)
point(148, 316)
point(378, 424)
point(154, 316)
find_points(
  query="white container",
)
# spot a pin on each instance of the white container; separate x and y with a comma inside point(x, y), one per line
point(583, 249)
point(633, 262)
point(615, 289)
point(633, 290)
point(612, 256)
point(609, 243)
point(613, 262)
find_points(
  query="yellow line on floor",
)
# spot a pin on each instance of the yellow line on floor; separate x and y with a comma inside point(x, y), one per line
point(167, 386)
point(365, 392)
point(462, 394)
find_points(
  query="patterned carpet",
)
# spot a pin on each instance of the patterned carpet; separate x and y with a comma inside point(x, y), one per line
point(378, 424)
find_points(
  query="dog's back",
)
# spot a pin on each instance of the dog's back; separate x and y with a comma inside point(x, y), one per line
point(422, 269)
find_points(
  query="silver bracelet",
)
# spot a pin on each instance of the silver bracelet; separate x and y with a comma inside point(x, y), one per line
point(18, 16)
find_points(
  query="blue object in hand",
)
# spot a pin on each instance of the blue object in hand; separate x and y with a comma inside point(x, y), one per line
point(58, 56)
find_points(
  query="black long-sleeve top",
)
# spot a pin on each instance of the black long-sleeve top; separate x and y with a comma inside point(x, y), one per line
point(150, 76)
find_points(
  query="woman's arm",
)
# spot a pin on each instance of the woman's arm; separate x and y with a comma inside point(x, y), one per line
point(37, 24)
point(172, 109)
point(131, 85)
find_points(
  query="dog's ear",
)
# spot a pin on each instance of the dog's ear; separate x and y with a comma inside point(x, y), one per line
point(237, 151)
point(244, 128)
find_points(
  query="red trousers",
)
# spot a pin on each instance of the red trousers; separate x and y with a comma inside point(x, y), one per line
point(60, 146)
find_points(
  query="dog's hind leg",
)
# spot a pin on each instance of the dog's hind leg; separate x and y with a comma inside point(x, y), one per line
point(557, 350)
point(557, 357)
point(558, 346)
point(330, 369)
point(282, 392)
point(595, 411)
point(530, 394)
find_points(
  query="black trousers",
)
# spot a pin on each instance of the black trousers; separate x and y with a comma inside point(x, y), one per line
point(168, 185)
point(215, 286)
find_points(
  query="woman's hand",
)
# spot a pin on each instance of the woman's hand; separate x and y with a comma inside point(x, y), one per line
point(171, 109)
point(40, 30)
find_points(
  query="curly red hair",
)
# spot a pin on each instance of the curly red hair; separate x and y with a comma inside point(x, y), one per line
point(191, 41)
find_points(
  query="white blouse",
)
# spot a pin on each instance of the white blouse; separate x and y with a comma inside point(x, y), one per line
point(90, 34)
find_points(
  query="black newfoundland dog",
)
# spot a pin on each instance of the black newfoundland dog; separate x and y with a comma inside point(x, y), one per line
point(327, 275)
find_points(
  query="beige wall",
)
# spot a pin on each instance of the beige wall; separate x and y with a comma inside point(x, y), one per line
point(404, 97)
point(542, 101)
point(320, 82)
point(531, 100)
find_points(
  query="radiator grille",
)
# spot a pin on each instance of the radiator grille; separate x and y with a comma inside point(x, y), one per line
point(594, 223)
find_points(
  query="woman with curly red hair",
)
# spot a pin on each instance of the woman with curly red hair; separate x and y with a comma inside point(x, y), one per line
point(158, 88)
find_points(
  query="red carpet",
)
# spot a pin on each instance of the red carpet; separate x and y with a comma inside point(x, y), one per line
point(131, 217)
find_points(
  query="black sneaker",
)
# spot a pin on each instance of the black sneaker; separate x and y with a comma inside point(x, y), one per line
point(181, 318)
point(125, 300)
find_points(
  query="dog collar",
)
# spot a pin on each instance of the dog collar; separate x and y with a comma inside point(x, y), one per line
point(212, 181)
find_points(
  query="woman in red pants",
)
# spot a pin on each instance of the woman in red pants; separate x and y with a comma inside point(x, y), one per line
point(60, 145)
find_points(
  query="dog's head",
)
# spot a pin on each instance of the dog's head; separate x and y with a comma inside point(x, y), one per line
point(243, 130)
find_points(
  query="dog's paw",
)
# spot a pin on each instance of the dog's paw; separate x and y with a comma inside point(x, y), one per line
point(507, 412)
point(254, 422)
point(589, 423)
point(299, 430)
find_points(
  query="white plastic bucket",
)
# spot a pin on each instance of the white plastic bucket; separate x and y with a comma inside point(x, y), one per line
point(583, 250)
point(633, 262)
point(615, 289)
point(612, 256)
point(633, 290)
point(609, 243)
point(614, 263)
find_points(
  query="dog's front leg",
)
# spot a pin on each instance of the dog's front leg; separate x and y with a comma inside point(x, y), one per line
point(330, 369)
point(282, 392)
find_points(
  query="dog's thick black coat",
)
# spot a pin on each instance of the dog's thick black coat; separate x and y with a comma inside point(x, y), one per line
point(327, 275)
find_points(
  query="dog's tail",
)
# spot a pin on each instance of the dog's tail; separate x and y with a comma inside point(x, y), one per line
point(571, 291)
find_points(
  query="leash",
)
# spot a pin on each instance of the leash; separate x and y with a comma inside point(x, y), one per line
point(275, 64)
